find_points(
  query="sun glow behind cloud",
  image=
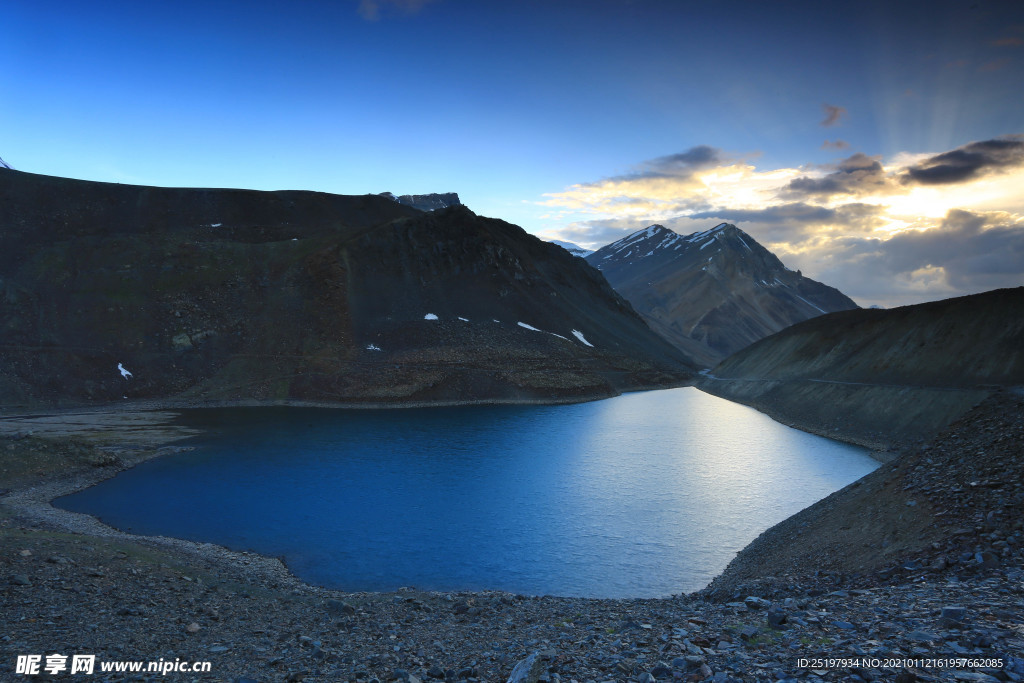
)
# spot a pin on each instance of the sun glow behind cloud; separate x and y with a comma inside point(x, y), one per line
point(901, 230)
point(735, 184)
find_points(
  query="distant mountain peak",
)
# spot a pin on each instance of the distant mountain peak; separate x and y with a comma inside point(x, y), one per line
point(711, 292)
point(657, 240)
point(646, 233)
point(573, 248)
point(641, 243)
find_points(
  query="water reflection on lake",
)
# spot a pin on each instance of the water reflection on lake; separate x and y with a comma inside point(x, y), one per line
point(647, 494)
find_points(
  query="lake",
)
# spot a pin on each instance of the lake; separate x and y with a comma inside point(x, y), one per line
point(644, 495)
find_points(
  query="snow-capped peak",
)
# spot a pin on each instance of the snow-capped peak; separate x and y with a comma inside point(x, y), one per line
point(639, 236)
point(667, 246)
point(574, 249)
point(713, 232)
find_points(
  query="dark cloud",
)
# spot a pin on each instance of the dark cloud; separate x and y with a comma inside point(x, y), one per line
point(970, 161)
point(1008, 42)
point(797, 222)
point(838, 144)
point(798, 212)
point(967, 253)
point(972, 249)
point(860, 174)
point(856, 175)
point(832, 114)
point(690, 207)
point(680, 165)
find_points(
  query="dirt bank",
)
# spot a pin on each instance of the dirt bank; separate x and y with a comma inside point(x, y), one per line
point(878, 416)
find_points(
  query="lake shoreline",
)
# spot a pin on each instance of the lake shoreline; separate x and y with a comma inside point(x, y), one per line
point(69, 551)
point(10, 412)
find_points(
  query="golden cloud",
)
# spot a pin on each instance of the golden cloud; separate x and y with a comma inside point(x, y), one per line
point(831, 221)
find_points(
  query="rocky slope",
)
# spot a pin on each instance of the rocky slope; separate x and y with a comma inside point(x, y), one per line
point(713, 292)
point(426, 202)
point(113, 292)
point(882, 377)
point(951, 507)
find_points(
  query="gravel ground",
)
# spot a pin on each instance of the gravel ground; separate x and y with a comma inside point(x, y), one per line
point(943, 603)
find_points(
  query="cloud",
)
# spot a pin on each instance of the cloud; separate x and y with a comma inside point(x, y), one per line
point(908, 228)
point(681, 165)
point(967, 252)
point(796, 213)
point(969, 161)
point(792, 223)
point(968, 246)
point(855, 175)
point(838, 144)
point(1012, 41)
point(832, 114)
point(797, 222)
point(658, 187)
point(597, 233)
point(371, 9)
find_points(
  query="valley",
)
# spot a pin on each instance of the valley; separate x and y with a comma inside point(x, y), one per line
point(118, 300)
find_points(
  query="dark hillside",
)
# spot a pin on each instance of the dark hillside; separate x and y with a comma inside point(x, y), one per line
point(957, 342)
point(232, 295)
point(882, 377)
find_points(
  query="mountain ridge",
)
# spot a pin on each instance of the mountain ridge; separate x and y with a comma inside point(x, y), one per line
point(426, 202)
point(225, 296)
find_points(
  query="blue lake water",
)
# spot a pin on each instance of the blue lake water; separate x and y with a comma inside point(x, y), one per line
point(647, 494)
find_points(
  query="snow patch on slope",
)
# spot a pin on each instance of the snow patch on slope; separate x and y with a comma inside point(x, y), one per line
point(809, 303)
point(579, 335)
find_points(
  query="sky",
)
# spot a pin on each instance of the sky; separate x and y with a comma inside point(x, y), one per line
point(876, 146)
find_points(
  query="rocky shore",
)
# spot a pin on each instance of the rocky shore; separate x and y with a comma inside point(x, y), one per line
point(913, 573)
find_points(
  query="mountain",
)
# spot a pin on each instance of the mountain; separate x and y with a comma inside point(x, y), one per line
point(213, 296)
point(574, 249)
point(426, 202)
point(713, 292)
point(882, 376)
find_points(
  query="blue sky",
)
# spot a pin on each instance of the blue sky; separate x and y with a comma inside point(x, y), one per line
point(532, 111)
